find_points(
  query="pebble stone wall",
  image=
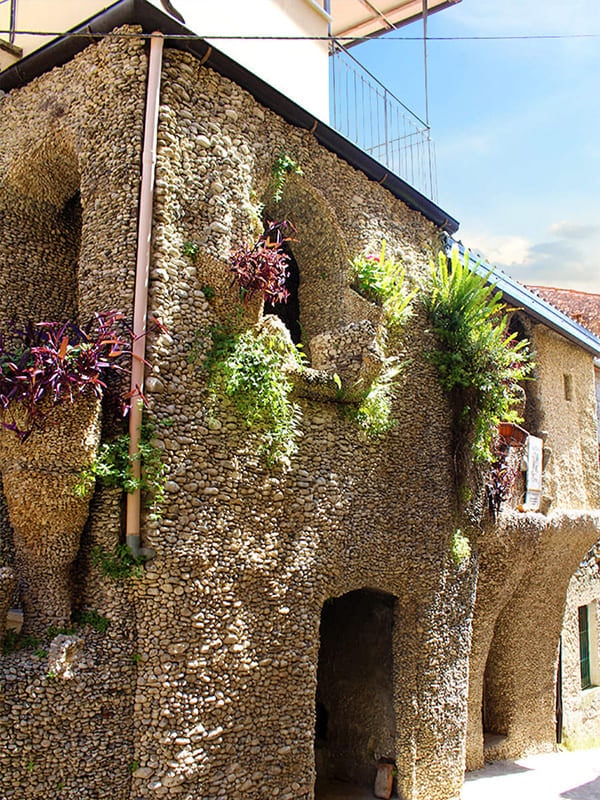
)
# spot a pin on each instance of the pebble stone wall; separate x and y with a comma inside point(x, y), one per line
point(204, 685)
point(247, 556)
point(69, 161)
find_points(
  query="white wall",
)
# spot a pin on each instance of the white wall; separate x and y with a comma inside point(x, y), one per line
point(299, 69)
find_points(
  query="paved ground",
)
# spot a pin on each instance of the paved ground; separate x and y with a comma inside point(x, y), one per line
point(553, 776)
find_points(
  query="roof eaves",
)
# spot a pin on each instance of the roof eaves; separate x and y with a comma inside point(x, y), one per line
point(140, 12)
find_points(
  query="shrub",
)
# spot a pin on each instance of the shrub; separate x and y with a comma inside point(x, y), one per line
point(58, 362)
point(381, 280)
point(478, 362)
point(262, 267)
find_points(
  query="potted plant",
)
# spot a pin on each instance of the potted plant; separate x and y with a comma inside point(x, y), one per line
point(52, 377)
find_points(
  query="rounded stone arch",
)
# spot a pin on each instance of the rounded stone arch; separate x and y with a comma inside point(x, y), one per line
point(40, 227)
point(47, 171)
point(320, 252)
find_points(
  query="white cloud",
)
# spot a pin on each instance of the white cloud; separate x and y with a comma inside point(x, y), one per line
point(568, 258)
point(501, 250)
point(574, 230)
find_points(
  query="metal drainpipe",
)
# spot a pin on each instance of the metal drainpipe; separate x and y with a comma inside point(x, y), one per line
point(142, 272)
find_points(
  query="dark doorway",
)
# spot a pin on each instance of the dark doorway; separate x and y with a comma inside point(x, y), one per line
point(289, 312)
point(355, 721)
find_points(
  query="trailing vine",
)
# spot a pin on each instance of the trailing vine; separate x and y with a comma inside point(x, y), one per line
point(381, 280)
point(113, 467)
point(250, 370)
point(283, 166)
point(373, 415)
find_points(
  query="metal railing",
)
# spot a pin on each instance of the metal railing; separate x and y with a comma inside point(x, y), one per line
point(8, 13)
point(364, 111)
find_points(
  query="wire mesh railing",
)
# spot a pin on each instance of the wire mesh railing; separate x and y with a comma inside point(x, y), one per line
point(364, 111)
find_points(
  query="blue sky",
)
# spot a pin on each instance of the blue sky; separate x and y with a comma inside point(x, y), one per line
point(516, 126)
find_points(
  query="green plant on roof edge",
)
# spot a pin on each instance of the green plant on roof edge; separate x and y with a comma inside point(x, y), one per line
point(478, 362)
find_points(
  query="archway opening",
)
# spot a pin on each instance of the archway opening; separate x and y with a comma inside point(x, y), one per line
point(355, 728)
point(41, 230)
point(289, 312)
point(492, 711)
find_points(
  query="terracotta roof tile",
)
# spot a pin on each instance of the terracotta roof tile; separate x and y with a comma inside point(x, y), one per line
point(583, 307)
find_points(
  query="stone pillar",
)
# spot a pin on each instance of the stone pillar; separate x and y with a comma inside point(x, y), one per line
point(521, 673)
point(7, 588)
point(504, 554)
point(431, 650)
point(47, 518)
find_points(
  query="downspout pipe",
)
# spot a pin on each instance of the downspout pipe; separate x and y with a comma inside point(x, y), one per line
point(142, 273)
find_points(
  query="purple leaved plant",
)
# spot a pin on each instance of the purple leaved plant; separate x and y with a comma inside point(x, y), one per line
point(262, 268)
point(50, 363)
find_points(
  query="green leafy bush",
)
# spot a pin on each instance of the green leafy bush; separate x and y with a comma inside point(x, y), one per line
point(120, 564)
point(374, 413)
point(248, 368)
point(92, 618)
point(478, 361)
point(460, 548)
point(191, 250)
point(113, 467)
point(381, 280)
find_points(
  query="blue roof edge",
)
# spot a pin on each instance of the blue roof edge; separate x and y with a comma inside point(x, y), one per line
point(518, 296)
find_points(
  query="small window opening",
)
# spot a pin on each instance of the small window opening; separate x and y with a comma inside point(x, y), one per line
point(584, 647)
point(289, 312)
point(568, 384)
point(588, 645)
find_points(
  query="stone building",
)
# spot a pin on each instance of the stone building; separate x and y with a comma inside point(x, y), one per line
point(297, 621)
point(580, 655)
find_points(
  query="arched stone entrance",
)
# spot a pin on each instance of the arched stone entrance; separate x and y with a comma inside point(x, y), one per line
point(355, 720)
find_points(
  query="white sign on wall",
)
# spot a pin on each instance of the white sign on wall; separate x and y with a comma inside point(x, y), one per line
point(534, 454)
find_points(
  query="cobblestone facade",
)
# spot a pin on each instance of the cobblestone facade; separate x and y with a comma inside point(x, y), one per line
point(204, 685)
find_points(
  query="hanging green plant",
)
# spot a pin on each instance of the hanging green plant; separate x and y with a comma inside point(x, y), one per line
point(113, 467)
point(373, 414)
point(477, 360)
point(283, 166)
point(251, 373)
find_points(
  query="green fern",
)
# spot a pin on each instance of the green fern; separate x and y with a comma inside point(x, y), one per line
point(250, 372)
point(477, 359)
